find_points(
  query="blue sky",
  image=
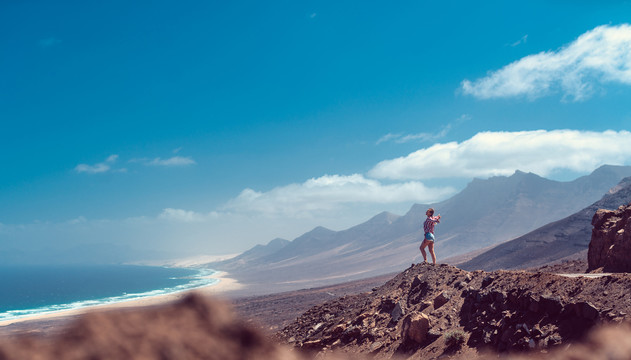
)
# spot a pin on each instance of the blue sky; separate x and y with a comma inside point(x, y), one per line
point(209, 127)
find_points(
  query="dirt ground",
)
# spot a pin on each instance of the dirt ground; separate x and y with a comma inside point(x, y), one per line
point(274, 312)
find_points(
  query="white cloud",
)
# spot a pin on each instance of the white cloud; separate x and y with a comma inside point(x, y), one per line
point(501, 153)
point(601, 55)
point(522, 40)
point(101, 167)
point(181, 215)
point(424, 136)
point(401, 138)
point(172, 161)
point(92, 169)
point(330, 192)
point(108, 164)
point(388, 137)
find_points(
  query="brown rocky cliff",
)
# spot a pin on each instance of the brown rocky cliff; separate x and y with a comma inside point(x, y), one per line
point(610, 246)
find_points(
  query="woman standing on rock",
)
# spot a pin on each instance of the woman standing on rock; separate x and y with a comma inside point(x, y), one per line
point(428, 240)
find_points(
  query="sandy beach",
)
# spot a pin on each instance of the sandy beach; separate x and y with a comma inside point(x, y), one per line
point(41, 322)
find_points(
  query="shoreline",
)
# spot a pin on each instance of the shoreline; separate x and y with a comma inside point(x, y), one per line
point(224, 284)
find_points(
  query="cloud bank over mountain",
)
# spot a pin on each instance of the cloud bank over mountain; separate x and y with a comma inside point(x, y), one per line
point(501, 153)
point(328, 192)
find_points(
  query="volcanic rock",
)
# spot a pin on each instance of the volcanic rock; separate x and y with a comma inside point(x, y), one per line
point(441, 299)
point(502, 311)
point(610, 247)
point(397, 312)
point(416, 327)
point(607, 343)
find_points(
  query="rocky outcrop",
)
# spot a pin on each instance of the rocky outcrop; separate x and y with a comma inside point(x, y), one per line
point(610, 246)
point(606, 343)
point(414, 314)
point(520, 320)
point(415, 327)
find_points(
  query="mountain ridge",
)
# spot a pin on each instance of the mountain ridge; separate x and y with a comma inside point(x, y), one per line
point(485, 213)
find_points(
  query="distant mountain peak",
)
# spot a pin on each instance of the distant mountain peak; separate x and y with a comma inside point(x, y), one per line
point(608, 170)
point(383, 217)
point(278, 242)
point(608, 167)
point(321, 228)
point(319, 231)
point(494, 183)
point(519, 173)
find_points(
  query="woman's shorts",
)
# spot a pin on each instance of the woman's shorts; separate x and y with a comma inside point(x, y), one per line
point(429, 236)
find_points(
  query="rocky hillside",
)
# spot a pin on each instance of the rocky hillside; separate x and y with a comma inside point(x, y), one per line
point(554, 241)
point(197, 328)
point(428, 311)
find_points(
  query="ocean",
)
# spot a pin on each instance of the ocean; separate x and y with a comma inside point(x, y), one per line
point(35, 290)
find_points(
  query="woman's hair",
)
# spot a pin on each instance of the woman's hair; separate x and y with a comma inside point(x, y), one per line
point(430, 211)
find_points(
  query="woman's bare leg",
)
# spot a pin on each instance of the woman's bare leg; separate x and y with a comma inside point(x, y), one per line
point(430, 247)
point(423, 245)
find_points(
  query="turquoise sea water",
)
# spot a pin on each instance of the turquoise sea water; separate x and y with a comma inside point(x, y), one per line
point(34, 290)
